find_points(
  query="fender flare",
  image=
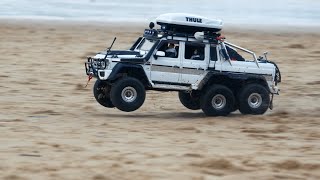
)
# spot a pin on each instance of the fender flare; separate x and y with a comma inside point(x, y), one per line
point(121, 68)
point(233, 76)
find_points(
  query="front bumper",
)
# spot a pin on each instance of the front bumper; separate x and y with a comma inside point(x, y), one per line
point(104, 74)
point(93, 66)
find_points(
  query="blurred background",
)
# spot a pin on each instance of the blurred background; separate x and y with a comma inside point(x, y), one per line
point(274, 12)
point(53, 128)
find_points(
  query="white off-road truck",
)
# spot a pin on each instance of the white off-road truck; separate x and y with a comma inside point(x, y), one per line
point(188, 55)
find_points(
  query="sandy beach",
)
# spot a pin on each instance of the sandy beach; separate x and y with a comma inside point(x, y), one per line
point(52, 127)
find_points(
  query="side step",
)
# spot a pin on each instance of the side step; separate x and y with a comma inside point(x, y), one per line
point(172, 87)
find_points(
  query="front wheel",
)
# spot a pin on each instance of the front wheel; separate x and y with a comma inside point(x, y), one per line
point(217, 101)
point(101, 91)
point(128, 94)
point(254, 99)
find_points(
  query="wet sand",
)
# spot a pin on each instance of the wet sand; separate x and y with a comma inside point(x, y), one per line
point(52, 128)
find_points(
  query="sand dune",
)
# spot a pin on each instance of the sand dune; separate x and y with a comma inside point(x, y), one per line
point(52, 128)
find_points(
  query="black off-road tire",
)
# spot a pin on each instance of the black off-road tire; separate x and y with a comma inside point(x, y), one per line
point(254, 99)
point(190, 100)
point(101, 91)
point(236, 102)
point(128, 94)
point(218, 100)
point(235, 107)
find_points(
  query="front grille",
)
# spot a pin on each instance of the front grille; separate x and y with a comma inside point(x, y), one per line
point(93, 65)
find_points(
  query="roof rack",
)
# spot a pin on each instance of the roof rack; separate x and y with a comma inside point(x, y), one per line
point(161, 33)
point(185, 25)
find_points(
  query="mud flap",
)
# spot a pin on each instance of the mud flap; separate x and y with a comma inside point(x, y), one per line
point(271, 102)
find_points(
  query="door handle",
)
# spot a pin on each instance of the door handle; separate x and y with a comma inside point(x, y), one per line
point(175, 66)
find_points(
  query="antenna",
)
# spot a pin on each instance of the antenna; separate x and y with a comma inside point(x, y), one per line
point(109, 48)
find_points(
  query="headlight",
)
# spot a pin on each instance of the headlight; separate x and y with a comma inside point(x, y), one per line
point(100, 63)
point(103, 63)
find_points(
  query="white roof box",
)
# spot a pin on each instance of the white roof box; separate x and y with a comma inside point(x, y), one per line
point(188, 22)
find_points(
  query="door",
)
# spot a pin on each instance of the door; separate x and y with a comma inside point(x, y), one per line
point(195, 61)
point(166, 69)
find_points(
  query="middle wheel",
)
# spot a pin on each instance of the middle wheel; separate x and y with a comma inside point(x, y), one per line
point(218, 100)
point(128, 94)
point(190, 100)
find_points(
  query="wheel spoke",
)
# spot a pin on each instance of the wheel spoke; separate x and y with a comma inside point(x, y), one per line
point(129, 94)
point(255, 100)
point(219, 101)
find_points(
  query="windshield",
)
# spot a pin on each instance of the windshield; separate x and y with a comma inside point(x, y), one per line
point(145, 46)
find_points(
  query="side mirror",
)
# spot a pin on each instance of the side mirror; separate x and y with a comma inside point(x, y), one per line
point(159, 54)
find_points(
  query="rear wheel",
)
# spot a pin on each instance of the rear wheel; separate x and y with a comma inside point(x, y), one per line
point(128, 94)
point(101, 91)
point(254, 99)
point(190, 100)
point(218, 100)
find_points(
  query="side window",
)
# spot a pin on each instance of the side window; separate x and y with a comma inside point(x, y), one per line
point(194, 51)
point(235, 55)
point(136, 43)
point(171, 48)
point(213, 53)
